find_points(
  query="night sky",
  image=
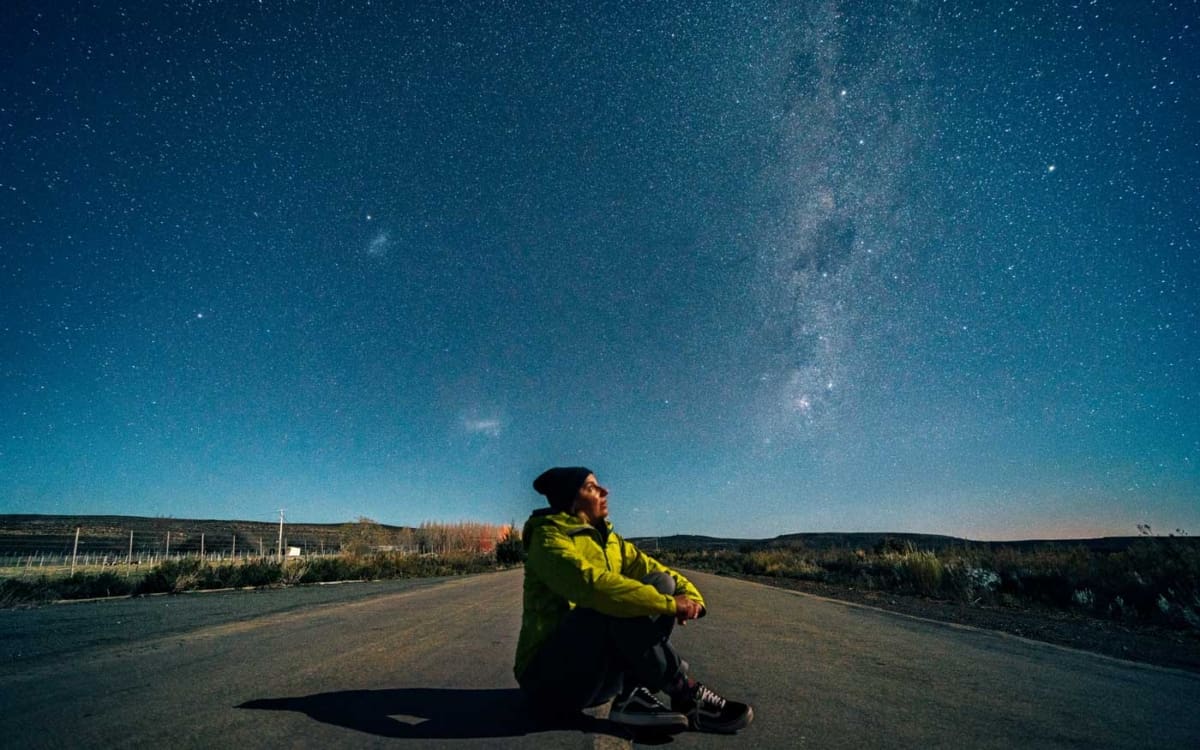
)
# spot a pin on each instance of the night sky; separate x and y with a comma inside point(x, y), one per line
point(764, 267)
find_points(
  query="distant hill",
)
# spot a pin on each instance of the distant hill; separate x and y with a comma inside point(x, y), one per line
point(869, 540)
point(26, 533)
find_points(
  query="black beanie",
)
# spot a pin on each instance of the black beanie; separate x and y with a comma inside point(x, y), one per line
point(561, 484)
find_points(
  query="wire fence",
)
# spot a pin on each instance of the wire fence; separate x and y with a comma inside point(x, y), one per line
point(29, 550)
point(107, 548)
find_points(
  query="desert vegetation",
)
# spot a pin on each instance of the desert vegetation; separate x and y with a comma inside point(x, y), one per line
point(363, 550)
point(367, 535)
point(1153, 580)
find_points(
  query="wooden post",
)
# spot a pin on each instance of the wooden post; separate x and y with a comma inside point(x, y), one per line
point(233, 548)
point(202, 545)
point(75, 551)
point(167, 554)
point(279, 549)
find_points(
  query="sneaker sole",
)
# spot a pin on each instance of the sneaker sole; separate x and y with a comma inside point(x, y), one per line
point(662, 722)
point(730, 728)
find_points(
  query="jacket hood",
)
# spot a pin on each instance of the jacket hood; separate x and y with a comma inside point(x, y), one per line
point(569, 524)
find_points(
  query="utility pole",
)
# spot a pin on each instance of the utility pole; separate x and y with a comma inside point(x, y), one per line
point(280, 547)
point(75, 551)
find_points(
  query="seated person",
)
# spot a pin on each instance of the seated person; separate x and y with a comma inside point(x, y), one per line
point(598, 615)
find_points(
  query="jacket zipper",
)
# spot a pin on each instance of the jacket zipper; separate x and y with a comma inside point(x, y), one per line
point(604, 541)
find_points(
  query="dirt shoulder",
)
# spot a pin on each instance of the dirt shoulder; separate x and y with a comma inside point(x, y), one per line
point(1142, 643)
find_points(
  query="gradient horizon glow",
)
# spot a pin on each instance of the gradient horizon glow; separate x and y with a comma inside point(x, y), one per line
point(764, 267)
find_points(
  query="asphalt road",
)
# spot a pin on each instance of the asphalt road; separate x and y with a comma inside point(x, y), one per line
point(408, 663)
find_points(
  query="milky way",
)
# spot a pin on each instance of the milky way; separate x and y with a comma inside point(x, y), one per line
point(844, 192)
point(765, 267)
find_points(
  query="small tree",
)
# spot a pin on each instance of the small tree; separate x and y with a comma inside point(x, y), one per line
point(361, 537)
point(510, 550)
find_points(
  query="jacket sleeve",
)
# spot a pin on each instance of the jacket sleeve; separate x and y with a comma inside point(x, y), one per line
point(637, 565)
point(555, 561)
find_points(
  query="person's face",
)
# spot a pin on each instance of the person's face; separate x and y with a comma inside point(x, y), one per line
point(591, 500)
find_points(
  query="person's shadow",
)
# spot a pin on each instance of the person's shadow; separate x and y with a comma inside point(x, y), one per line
point(435, 713)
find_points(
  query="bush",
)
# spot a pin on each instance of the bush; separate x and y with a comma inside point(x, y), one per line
point(340, 568)
point(511, 549)
point(170, 576)
point(782, 563)
point(970, 582)
point(14, 591)
point(94, 585)
point(920, 572)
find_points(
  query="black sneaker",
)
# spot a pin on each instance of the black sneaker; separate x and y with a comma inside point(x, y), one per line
point(709, 712)
point(641, 709)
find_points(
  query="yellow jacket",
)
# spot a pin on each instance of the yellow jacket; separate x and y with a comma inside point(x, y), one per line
point(570, 563)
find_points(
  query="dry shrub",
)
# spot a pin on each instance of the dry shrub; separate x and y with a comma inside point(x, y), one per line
point(917, 571)
point(785, 563)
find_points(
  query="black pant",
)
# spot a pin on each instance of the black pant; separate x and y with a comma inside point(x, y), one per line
point(592, 657)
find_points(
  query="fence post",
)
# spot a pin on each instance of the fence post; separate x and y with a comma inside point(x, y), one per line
point(129, 557)
point(75, 550)
point(167, 554)
point(233, 548)
point(202, 545)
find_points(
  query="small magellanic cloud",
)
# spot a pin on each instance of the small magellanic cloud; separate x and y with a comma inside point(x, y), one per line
point(489, 427)
point(379, 244)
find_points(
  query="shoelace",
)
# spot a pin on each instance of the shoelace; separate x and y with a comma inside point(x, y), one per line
point(644, 694)
point(704, 695)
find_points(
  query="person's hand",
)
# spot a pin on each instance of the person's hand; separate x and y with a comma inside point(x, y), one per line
point(686, 609)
